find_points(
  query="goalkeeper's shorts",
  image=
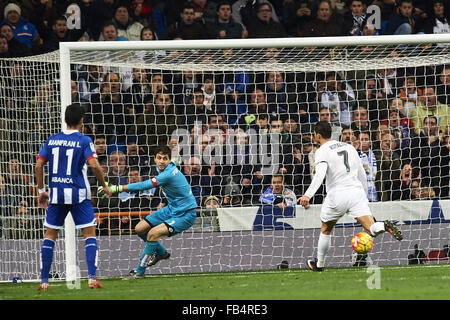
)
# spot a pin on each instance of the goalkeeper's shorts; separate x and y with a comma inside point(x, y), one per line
point(82, 214)
point(176, 223)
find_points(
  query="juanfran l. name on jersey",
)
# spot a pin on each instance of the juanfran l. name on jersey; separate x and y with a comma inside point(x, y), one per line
point(64, 143)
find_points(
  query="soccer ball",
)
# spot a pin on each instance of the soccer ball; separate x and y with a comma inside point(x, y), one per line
point(362, 242)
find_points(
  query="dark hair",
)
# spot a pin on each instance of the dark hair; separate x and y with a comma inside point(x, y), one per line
point(100, 136)
point(323, 128)
point(148, 28)
point(107, 24)
point(74, 113)
point(224, 3)
point(187, 5)
point(163, 150)
point(277, 175)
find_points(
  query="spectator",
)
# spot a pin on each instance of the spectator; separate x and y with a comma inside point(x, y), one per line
point(410, 93)
point(263, 26)
point(443, 89)
point(156, 125)
point(433, 154)
point(445, 179)
point(126, 26)
point(355, 19)
point(291, 127)
point(100, 150)
point(15, 47)
point(139, 90)
point(429, 105)
point(326, 115)
point(59, 32)
point(389, 168)
point(403, 20)
point(371, 97)
point(23, 30)
point(157, 83)
point(387, 83)
point(89, 81)
point(109, 109)
point(436, 22)
point(172, 9)
point(369, 163)
point(136, 156)
point(187, 28)
point(340, 101)
point(361, 121)
point(196, 111)
point(326, 23)
point(408, 175)
point(387, 7)
point(277, 194)
point(43, 113)
point(214, 101)
point(281, 92)
point(420, 191)
point(406, 137)
point(258, 105)
point(110, 33)
point(404, 114)
point(142, 11)
point(102, 157)
point(26, 223)
point(183, 85)
point(211, 202)
point(224, 27)
point(245, 174)
point(347, 135)
point(4, 49)
point(244, 11)
point(15, 176)
point(296, 14)
point(202, 185)
point(205, 10)
point(104, 11)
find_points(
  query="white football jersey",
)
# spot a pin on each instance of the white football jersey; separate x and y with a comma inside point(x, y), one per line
point(343, 165)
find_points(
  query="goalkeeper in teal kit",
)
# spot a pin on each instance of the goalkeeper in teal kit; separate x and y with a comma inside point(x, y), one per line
point(177, 216)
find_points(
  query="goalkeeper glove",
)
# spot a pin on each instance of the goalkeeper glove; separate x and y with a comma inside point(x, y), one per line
point(114, 189)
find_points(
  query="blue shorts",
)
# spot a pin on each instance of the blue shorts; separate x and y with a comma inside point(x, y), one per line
point(82, 214)
point(175, 223)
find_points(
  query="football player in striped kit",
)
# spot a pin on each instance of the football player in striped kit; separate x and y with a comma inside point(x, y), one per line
point(68, 154)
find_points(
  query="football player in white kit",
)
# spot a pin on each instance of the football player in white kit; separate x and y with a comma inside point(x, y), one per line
point(346, 186)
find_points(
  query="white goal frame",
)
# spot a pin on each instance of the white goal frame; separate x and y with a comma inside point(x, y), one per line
point(65, 62)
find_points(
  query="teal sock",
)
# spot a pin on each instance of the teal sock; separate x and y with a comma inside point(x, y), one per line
point(149, 250)
point(160, 250)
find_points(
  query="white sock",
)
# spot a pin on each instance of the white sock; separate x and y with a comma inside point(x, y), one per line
point(377, 228)
point(322, 249)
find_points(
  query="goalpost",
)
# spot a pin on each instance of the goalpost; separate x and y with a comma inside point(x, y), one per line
point(235, 237)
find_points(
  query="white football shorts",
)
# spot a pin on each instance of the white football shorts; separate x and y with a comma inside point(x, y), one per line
point(352, 202)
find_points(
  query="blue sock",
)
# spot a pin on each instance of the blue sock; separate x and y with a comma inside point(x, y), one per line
point(91, 256)
point(149, 250)
point(160, 250)
point(46, 258)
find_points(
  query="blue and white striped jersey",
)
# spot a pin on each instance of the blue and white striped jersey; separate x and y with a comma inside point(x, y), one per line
point(67, 154)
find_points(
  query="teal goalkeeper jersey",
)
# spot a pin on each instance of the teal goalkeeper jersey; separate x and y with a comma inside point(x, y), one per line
point(174, 185)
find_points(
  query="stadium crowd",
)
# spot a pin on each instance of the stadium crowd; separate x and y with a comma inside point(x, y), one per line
point(398, 119)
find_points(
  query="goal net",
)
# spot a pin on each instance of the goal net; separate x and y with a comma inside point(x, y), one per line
point(238, 117)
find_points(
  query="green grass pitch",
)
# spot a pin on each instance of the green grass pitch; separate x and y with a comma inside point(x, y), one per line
point(424, 282)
